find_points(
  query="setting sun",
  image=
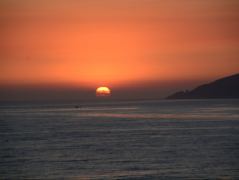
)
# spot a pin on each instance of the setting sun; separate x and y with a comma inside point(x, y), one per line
point(119, 89)
point(103, 91)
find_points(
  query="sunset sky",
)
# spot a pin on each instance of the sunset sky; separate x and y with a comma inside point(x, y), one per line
point(125, 44)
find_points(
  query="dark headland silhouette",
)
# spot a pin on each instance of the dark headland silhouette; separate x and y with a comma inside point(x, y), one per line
point(227, 87)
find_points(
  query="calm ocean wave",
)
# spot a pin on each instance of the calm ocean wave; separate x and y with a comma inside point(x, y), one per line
point(181, 139)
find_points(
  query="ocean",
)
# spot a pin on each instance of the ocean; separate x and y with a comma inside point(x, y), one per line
point(164, 139)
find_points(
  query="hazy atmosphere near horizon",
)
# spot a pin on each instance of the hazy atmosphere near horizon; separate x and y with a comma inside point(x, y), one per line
point(66, 49)
point(119, 89)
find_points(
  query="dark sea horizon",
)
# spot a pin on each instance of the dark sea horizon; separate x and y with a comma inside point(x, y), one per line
point(163, 139)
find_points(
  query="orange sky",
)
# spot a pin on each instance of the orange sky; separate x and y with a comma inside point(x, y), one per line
point(111, 43)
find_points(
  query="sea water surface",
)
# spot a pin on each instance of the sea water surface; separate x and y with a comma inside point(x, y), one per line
point(165, 139)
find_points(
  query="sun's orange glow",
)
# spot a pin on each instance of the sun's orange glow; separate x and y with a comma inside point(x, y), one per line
point(90, 43)
point(103, 91)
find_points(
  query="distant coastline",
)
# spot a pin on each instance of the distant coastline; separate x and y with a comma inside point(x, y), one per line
point(227, 87)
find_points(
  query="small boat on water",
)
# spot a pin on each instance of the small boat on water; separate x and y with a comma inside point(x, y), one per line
point(76, 106)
